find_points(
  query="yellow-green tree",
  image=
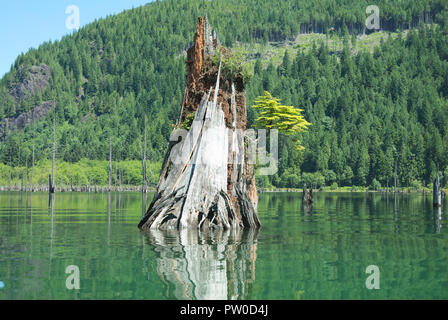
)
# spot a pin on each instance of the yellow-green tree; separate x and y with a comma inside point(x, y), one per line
point(286, 119)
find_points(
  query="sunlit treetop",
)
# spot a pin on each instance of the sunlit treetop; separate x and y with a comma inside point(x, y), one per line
point(286, 119)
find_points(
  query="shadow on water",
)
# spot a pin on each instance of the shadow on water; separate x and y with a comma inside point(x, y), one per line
point(213, 265)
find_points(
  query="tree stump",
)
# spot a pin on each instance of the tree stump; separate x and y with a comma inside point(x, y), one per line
point(437, 193)
point(307, 196)
point(206, 181)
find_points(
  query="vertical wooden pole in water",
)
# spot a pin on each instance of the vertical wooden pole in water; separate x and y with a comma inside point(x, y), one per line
point(32, 171)
point(26, 173)
point(395, 177)
point(144, 162)
point(21, 182)
point(10, 173)
point(108, 217)
point(121, 174)
point(18, 171)
point(110, 163)
point(52, 183)
point(70, 176)
point(437, 194)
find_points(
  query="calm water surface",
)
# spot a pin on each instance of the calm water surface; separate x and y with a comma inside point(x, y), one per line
point(318, 253)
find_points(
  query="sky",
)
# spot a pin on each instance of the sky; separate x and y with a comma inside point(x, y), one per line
point(25, 24)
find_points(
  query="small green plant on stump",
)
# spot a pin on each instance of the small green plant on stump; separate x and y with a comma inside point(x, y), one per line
point(234, 64)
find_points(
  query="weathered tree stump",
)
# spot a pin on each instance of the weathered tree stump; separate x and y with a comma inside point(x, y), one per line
point(307, 197)
point(206, 180)
point(437, 193)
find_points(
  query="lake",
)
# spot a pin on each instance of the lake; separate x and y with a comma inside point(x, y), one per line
point(313, 253)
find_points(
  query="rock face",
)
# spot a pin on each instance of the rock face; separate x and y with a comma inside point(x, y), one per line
point(7, 125)
point(30, 81)
point(207, 180)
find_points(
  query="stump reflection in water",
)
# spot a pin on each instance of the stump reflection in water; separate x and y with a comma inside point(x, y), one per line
point(212, 265)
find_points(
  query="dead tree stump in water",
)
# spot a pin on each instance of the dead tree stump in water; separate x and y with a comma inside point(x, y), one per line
point(206, 180)
point(307, 196)
point(437, 193)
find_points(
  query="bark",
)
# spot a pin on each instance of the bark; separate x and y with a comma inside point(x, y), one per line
point(206, 180)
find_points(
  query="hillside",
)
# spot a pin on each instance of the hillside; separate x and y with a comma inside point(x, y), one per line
point(370, 105)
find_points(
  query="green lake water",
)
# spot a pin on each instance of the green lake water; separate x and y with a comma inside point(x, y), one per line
point(318, 253)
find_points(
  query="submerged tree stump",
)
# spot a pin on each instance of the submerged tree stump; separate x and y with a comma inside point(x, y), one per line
point(307, 196)
point(437, 193)
point(206, 180)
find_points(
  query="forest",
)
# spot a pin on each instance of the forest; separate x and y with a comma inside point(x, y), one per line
point(373, 114)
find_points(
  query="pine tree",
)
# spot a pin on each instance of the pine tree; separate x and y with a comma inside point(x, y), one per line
point(286, 119)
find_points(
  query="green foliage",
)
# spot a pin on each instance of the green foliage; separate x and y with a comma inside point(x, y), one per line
point(82, 173)
point(314, 180)
point(334, 186)
point(376, 185)
point(416, 185)
point(445, 178)
point(286, 119)
point(234, 63)
point(368, 110)
point(330, 177)
point(188, 121)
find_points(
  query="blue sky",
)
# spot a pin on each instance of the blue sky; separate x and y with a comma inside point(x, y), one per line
point(25, 24)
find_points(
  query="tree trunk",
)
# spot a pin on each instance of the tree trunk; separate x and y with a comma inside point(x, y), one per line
point(10, 174)
point(32, 172)
point(52, 185)
point(110, 164)
point(206, 180)
point(144, 162)
point(437, 194)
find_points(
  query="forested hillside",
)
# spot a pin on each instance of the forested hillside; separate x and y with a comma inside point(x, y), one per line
point(368, 110)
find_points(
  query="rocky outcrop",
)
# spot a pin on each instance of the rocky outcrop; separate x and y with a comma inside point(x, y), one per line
point(7, 125)
point(30, 81)
point(207, 180)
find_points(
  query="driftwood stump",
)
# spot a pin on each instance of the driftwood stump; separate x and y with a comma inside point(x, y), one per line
point(206, 180)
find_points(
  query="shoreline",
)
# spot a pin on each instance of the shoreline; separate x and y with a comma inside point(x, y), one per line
point(85, 189)
point(102, 189)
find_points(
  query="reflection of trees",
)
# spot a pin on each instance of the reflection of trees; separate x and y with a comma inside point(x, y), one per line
point(213, 265)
